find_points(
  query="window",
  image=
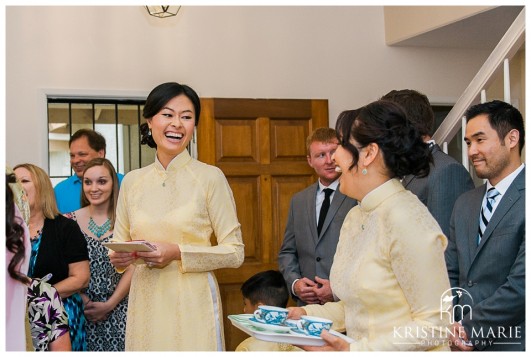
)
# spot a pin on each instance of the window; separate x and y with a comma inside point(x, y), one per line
point(118, 120)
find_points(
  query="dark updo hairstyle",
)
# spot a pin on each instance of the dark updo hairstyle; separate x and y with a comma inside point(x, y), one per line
point(417, 107)
point(384, 123)
point(157, 99)
point(14, 234)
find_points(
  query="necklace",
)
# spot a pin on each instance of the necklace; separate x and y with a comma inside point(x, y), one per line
point(98, 231)
point(37, 235)
point(38, 232)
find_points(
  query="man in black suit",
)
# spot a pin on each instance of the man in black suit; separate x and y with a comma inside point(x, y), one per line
point(486, 248)
point(448, 179)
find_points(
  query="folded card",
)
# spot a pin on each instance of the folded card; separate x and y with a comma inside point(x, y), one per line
point(131, 246)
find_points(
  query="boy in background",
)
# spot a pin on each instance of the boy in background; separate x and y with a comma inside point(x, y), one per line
point(265, 288)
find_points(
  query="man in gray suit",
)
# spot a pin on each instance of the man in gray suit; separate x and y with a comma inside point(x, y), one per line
point(306, 255)
point(486, 248)
point(448, 179)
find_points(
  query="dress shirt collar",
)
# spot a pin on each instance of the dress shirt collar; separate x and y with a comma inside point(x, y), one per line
point(380, 194)
point(175, 164)
point(504, 184)
point(75, 179)
point(431, 143)
point(333, 186)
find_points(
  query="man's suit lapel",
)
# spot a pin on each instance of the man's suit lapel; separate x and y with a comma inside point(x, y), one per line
point(434, 148)
point(310, 207)
point(510, 197)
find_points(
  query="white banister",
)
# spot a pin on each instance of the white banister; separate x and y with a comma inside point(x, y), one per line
point(506, 49)
point(445, 147)
point(464, 151)
point(506, 82)
point(483, 96)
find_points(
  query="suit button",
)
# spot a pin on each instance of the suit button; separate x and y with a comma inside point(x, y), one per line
point(318, 259)
point(470, 284)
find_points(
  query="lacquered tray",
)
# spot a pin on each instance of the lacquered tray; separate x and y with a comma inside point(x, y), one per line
point(242, 322)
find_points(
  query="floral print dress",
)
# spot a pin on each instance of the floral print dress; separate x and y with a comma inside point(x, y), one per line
point(47, 316)
point(107, 335)
point(72, 304)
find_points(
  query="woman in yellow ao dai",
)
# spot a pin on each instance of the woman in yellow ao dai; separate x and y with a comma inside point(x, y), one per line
point(389, 270)
point(176, 204)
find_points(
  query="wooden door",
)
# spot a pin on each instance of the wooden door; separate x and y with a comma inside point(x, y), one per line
point(260, 145)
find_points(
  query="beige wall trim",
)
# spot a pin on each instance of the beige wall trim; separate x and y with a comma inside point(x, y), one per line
point(404, 22)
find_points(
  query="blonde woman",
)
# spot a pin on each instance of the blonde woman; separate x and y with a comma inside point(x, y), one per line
point(57, 247)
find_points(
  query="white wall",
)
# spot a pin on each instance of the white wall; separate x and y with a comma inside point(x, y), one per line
point(335, 53)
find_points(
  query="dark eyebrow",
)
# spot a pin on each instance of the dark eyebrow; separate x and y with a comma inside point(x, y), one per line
point(184, 111)
point(99, 178)
point(475, 135)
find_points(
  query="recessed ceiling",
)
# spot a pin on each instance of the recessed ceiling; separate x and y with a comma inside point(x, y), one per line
point(481, 31)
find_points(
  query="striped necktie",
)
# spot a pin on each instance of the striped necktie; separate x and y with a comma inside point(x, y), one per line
point(486, 211)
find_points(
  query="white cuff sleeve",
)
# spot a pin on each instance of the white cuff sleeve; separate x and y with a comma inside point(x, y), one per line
point(292, 287)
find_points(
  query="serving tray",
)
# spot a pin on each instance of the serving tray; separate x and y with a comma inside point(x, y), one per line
point(242, 322)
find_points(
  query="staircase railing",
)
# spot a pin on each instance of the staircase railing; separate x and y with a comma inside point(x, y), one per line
point(508, 46)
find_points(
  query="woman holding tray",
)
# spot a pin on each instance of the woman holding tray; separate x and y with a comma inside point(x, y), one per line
point(176, 204)
point(389, 270)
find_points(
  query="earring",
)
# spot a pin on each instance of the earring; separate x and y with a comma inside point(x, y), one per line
point(364, 172)
point(149, 132)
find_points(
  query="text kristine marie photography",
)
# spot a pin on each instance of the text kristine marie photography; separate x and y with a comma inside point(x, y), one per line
point(437, 335)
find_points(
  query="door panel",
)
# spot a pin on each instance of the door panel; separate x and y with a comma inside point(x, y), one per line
point(288, 140)
point(260, 145)
point(284, 187)
point(237, 141)
point(246, 189)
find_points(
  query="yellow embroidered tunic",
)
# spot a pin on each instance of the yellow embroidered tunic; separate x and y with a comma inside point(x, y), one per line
point(252, 344)
point(390, 274)
point(178, 307)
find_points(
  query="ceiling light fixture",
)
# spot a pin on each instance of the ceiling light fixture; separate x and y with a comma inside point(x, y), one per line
point(163, 10)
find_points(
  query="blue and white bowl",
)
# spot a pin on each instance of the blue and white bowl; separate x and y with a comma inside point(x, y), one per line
point(313, 325)
point(272, 315)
